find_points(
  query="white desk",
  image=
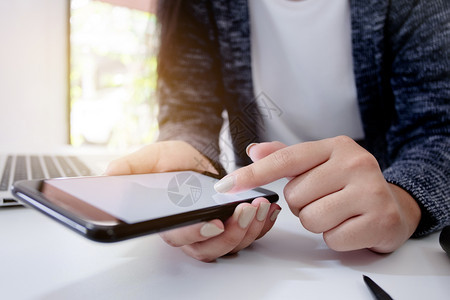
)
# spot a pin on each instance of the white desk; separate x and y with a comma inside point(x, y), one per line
point(41, 259)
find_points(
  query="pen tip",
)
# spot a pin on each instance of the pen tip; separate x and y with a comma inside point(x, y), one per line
point(368, 280)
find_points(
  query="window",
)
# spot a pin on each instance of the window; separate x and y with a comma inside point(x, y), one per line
point(112, 75)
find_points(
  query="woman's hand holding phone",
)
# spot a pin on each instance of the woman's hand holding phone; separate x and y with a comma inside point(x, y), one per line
point(208, 240)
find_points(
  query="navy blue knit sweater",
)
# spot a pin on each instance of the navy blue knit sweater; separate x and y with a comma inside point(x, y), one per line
point(402, 71)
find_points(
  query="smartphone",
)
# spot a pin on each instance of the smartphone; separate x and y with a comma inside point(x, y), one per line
point(115, 208)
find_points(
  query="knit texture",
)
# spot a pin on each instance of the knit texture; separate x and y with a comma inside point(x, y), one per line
point(401, 64)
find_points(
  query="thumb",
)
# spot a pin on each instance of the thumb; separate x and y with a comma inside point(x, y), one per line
point(161, 157)
point(140, 161)
point(258, 151)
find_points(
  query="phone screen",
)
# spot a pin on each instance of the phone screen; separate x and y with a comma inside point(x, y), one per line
point(138, 198)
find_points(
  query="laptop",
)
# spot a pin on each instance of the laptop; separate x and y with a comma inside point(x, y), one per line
point(15, 167)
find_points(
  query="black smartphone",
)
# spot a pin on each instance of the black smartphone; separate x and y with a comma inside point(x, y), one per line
point(115, 208)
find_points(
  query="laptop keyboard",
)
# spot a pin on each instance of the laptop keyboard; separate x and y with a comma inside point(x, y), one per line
point(4, 183)
point(35, 167)
point(21, 169)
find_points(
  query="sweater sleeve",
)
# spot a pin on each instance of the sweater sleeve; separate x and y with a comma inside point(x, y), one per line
point(189, 85)
point(419, 137)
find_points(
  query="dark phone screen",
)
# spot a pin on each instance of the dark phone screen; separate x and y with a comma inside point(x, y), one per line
point(137, 198)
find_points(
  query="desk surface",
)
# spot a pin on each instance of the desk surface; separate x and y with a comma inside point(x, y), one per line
point(41, 259)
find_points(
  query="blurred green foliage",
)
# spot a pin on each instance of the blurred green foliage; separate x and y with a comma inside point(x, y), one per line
point(112, 75)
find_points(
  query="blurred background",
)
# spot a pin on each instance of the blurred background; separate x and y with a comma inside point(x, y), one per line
point(77, 72)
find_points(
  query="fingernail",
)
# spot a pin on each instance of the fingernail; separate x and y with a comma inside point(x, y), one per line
point(246, 216)
point(274, 215)
point(247, 150)
point(210, 230)
point(225, 184)
point(262, 211)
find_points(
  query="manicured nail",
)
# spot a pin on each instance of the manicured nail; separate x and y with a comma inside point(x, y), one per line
point(210, 230)
point(247, 150)
point(274, 215)
point(246, 216)
point(262, 211)
point(225, 184)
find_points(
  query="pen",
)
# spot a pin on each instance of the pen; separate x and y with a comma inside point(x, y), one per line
point(376, 290)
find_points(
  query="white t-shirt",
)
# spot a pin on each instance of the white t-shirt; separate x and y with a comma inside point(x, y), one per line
point(303, 69)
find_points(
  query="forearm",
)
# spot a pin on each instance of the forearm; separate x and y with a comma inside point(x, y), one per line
point(424, 171)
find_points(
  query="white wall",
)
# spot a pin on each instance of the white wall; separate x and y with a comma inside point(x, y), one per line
point(33, 74)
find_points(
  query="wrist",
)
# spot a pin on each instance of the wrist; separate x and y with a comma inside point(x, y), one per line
point(409, 208)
